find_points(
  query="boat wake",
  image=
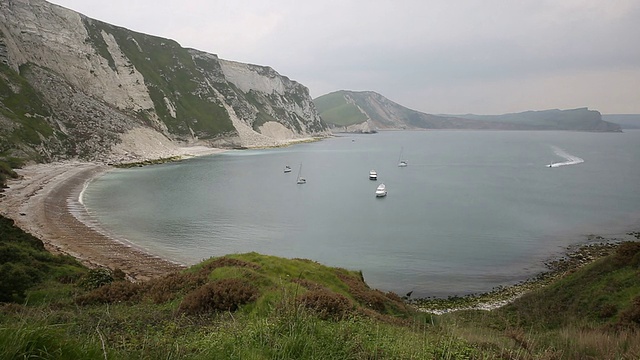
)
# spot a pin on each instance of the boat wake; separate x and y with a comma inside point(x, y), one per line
point(570, 159)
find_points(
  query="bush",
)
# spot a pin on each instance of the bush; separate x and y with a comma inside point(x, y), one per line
point(228, 262)
point(631, 316)
point(96, 278)
point(116, 292)
point(15, 279)
point(171, 286)
point(309, 285)
point(628, 253)
point(384, 303)
point(222, 295)
point(327, 304)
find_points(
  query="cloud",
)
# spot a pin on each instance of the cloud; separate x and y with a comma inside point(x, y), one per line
point(408, 47)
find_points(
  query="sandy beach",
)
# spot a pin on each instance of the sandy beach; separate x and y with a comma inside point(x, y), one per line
point(41, 203)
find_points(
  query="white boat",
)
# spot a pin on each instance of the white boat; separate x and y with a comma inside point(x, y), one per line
point(381, 190)
point(287, 169)
point(373, 175)
point(301, 180)
point(401, 163)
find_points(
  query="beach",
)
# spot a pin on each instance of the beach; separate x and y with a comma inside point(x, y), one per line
point(44, 201)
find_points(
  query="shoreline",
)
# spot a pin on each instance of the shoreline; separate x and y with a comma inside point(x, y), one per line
point(44, 203)
point(574, 257)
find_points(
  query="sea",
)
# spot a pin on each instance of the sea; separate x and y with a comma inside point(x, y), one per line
point(472, 211)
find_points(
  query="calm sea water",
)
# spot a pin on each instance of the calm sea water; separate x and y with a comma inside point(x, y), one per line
point(473, 210)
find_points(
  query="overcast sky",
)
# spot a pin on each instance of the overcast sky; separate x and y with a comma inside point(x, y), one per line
point(435, 56)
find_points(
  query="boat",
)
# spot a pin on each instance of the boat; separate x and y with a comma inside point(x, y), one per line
point(381, 190)
point(301, 180)
point(401, 163)
point(287, 169)
point(373, 175)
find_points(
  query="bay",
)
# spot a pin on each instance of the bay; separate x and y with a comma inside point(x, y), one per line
point(472, 210)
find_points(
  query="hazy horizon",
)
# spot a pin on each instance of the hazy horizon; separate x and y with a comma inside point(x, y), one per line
point(491, 57)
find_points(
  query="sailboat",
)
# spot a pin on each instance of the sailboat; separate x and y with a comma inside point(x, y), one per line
point(301, 180)
point(401, 163)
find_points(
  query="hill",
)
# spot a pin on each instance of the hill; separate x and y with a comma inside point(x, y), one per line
point(581, 119)
point(252, 306)
point(365, 111)
point(72, 87)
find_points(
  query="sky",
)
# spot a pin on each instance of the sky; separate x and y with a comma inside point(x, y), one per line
point(434, 56)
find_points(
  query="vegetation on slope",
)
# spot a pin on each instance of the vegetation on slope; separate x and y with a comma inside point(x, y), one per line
point(606, 291)
point(169, 72)
point(581, 119)
point(251, 306)
point(334, 109)
point(22, 116)
point(26, 265)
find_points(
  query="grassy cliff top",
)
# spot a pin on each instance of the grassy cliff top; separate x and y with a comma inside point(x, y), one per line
point(253, 306)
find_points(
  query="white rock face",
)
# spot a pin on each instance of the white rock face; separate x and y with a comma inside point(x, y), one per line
point(54, 37)
point(132, 94)
point(102, 103)
point(276, 131)
point(246, 78)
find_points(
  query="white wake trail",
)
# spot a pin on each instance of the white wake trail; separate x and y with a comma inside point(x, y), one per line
point(570, 159)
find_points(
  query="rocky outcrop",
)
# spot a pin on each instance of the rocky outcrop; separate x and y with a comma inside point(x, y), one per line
point(90, 85)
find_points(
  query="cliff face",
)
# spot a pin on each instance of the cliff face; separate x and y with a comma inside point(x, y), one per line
point(71, 86)
point(351, 110)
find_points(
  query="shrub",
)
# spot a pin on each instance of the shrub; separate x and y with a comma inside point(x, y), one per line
point(327, 304)
point(228, 262)
point(628, 253)
point(115, 292)
point(15, 279)
point(222, 295)
point(387, 304)
point(170, 286)
point(307, 284)
point(96, 278)
point(631, 315)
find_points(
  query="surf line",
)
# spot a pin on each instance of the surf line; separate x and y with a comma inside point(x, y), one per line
point(570, 159)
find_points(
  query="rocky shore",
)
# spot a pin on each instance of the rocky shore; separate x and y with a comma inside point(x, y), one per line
point(574, 258)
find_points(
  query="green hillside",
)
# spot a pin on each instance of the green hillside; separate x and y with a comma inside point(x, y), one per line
point(252, 306)
point(581, 119)
point(334, 109)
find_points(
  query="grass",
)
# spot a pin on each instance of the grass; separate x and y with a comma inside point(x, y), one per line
point(334, 109)
point(253, 306)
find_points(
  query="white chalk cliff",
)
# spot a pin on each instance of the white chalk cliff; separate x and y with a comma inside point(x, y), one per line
point(94, 87)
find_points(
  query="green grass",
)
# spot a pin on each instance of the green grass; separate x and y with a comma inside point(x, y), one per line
point(334, 109)
point(275, 308)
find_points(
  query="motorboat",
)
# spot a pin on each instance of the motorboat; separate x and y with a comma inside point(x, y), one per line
point(373, 175)
point(381, 190)
point(287, 169)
